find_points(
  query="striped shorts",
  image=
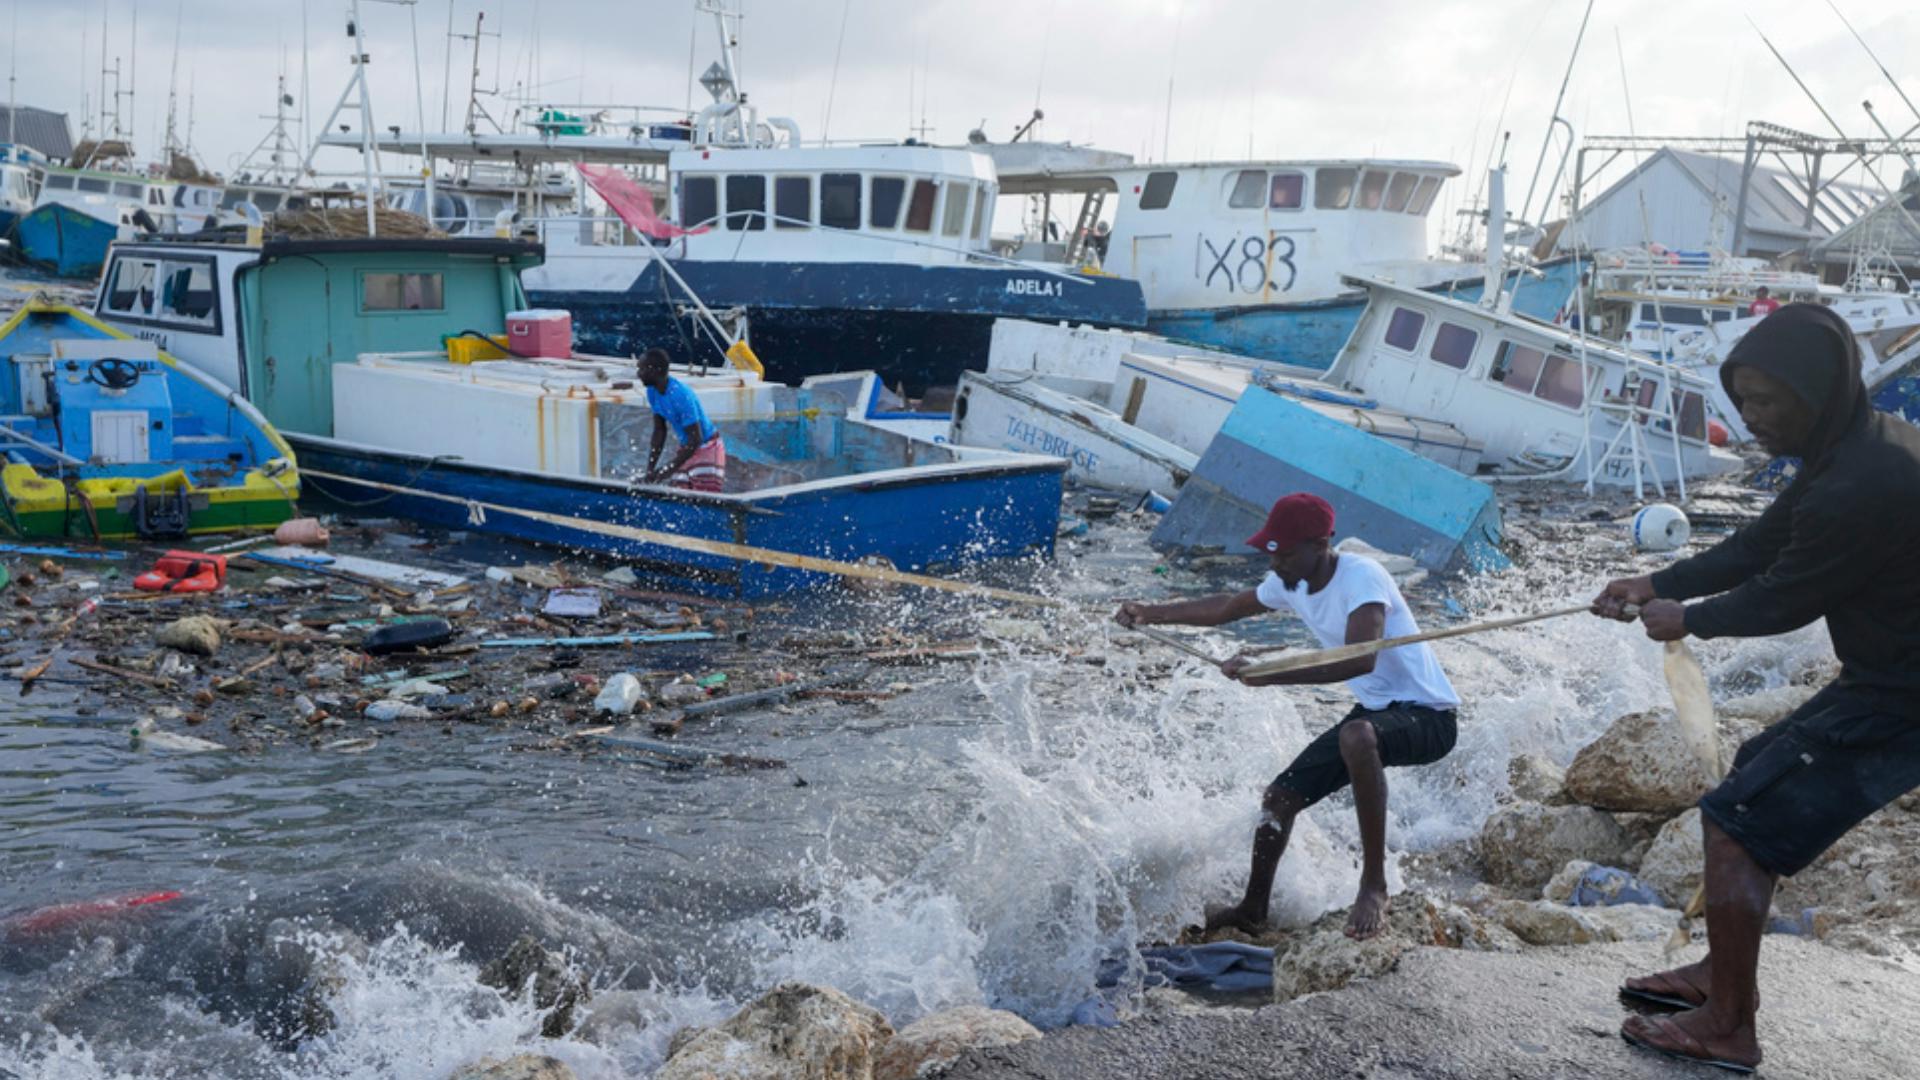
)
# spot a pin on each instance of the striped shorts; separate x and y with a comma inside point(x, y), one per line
point(706, 470)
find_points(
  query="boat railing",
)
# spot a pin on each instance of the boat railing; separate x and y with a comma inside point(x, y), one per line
point(625, 237)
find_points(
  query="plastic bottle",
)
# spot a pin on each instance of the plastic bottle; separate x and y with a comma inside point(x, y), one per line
point(389, 709)
point(619, 697)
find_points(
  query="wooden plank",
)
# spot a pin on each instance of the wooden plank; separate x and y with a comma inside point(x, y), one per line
point(671, 724)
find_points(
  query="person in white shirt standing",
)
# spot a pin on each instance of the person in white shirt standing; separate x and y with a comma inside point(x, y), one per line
point(1405, 714)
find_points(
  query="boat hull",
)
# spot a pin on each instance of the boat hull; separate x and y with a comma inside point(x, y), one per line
point(1311, 334)
point(1391, 498)
point(64, 241)
point(917, 326)
point(921, 523)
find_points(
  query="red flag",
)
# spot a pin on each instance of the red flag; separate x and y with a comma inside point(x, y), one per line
point(632, 202)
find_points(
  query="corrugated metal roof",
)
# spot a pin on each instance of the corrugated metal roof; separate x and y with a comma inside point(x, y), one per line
point(1894, 223)
point(1776, 204)
point(42, 129)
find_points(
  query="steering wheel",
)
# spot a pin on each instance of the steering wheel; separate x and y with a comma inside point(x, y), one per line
point(113, 373)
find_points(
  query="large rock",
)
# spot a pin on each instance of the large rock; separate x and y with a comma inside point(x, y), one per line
point(1543, 922)
point(1524, 846)
point(1535, 778)
point(517, 1067)
point(936, 1040)
point(1640, 763)
point(1676, 860)
point(795, 1032)
point(556, 988)
point(1322, 957)
point(196, 634)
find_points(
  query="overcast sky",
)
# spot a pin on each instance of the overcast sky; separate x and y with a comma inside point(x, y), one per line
point(1267, 78)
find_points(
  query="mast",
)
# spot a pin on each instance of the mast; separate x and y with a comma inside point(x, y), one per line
point(1546, 141)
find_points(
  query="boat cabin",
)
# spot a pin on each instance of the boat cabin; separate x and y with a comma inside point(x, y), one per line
point(1232, 234)
point(886, 204)
point(1542, 400)
point(272, 320)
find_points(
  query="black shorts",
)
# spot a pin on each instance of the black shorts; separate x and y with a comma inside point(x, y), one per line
point(1801, 784)
point(1408, 735)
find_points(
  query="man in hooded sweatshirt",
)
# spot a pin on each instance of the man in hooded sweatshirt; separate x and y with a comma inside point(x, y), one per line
point(1838, 544)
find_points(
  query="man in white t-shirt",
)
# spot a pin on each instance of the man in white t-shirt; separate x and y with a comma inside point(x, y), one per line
point(1405, 714)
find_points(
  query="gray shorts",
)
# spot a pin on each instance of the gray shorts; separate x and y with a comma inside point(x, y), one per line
point(1801, 784)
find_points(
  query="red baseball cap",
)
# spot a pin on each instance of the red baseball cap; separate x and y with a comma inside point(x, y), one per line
point(1294, 519)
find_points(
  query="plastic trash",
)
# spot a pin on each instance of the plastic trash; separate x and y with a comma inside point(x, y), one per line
point(408, 636)
point(709, 682)
point(620, 696)
point(302, 532)
point(1154, 502)
point(1661, 527)
point(499, 573)
point(1605, 886)
point(389, 709)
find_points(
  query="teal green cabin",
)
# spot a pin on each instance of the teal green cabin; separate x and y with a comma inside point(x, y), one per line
point(305, 311)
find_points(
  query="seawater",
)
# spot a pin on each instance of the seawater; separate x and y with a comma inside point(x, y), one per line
point(991, 837)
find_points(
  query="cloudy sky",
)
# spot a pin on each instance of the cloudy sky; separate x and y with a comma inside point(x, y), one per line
point(1266, 78)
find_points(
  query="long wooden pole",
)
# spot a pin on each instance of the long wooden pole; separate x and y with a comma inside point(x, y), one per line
point(1342, 653)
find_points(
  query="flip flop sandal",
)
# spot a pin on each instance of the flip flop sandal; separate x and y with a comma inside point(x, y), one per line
point(1702, 1058)
point(1633, 997)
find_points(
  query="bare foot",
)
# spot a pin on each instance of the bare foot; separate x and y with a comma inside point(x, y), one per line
point(1369, 915)
point(1234, 917)
point(1698, 1036)
point(1686, 985)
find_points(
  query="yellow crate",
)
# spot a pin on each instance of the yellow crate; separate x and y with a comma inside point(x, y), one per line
point(465, 349)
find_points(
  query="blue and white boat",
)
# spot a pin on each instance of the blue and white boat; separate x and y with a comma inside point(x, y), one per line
point(79, 212)
point(1247, 257)
point(20, 168)
point(551, 449)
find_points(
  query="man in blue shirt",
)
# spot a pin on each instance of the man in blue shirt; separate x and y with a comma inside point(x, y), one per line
point(701, 464)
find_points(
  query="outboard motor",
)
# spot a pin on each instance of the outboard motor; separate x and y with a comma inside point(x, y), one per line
point(160, 515)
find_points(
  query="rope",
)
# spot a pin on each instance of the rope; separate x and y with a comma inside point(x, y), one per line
point(740, 552)
point(307, 476)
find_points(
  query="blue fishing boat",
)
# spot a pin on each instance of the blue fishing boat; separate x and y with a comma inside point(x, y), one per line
point(1391, 498)
point(107, 438)
point(79, 212)
point(552, 448)
point(19, 167)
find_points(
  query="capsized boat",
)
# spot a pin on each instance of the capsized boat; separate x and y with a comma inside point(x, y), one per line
point(108, 438)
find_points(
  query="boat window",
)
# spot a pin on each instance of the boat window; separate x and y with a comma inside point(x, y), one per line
point(155, 196)
point(231, 198)
point(1516, 367)
point(1453, 345)
point(982, 213)
point(1721, 314)
point(1562, 382)
point(1400, 190)
point(90, 183)
point(1693, 415)
point(180, 195)
point(266, 202)
point(58, 183)
point(1373, 188)
point(1158, 191)
point(920, 207)
point(401, 292)
point(131, 291)
point(889, 193)
point(187, 295)
point(1249, 189)
point(840, 200)
point(953, 217)
point(746, 203)
point(1286, 190)
point(1680, 315)
point(1423, 195)
point(792, 202)
point(1644, 397)
point(699, 201)
point(1403, 330)
point(1333, 188)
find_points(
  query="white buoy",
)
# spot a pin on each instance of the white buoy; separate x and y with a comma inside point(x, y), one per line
point(1660, 527)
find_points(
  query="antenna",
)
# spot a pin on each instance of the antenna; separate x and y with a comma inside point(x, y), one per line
point(1526, 205)
point(1876, 60)
point(357, 95)
point(13, 68)
point(833, 83)
point(1173, 64)
point(169, 142)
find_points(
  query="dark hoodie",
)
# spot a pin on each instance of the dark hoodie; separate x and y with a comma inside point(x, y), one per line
point(1843, 540)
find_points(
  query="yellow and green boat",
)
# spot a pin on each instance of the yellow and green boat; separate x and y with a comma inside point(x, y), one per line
point(105, 437)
